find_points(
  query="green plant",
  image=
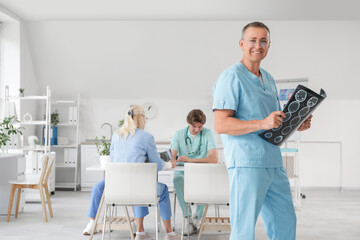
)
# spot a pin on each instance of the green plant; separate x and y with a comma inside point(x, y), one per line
point(103, 147)
point(54, 118)
point(21, 90)
point(121, 122)
point(7, 128)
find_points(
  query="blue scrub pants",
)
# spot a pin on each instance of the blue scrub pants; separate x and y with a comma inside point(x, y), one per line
point(139, 212)
point(265, 191)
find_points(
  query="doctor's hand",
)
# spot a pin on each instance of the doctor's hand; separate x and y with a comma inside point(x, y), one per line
point(306, 124)
point(173, 163)
point(273, 120)
point(184, 159)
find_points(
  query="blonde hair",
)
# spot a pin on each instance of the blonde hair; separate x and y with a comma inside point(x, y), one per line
point(132, 121)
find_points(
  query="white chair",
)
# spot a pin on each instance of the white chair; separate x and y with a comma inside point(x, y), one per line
point(207, 184)
point(41, 184)
point(130, 184)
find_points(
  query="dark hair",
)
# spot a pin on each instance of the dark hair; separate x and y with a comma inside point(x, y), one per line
point(256, 25)
point(196, 115)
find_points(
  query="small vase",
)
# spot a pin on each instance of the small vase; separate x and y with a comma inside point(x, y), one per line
point(103, 160)
point(21, 94)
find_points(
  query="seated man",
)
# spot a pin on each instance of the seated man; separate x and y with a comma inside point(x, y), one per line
point(195, 144)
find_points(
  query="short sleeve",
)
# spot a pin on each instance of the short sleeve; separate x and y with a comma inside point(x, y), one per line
point(227, 91)
point(211, 142)
point(175, 144)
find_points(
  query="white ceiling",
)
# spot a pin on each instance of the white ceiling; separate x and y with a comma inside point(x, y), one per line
point(43, 10)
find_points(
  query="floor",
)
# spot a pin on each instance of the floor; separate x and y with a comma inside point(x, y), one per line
point(329, 215)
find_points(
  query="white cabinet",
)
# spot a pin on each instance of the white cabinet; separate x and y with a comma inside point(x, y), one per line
point(13, 167)
point(67, 147)
point(89, 157)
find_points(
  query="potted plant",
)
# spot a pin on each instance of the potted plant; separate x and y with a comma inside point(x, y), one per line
point(21, 92)
point(6, 129)
point(103, 148)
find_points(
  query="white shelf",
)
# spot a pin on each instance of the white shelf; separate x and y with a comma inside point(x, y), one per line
point(65, 102)
point(27, 98)
point(44, 100)
point(67, 125)
point(64, 146)
point(66, 185)
point(41, 148)
point(67, 151)
point(33, 123)
point(63, 166)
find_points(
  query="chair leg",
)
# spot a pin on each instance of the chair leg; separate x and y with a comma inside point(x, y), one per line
point(174, 211)
point(159, 219)
point(18, 202)
point(42, 198)
point(48, 200)
point(157, 223)
point(11, 199)
point(97, 217)
point(110, 219)
point(202, 221)
point(104, 223)
point(128, 220)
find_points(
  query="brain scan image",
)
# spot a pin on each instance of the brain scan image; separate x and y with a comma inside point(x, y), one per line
point(300, 96)
point(286, 130)
point(268, 135)
point(294, 106)
point(278, 139)
point(295, 121)
point(303, 111)
point(312, 101)
point(301, 105)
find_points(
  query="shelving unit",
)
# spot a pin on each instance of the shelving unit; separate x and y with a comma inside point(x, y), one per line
point(67, 161)
point(291, 163)
point(33, 165)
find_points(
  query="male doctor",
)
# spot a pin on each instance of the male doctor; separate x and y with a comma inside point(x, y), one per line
point(246, 103)
point(194, 144)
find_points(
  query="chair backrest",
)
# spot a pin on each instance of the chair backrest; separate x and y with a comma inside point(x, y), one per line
point(206, 183)
point(131, 183)
point(47, 159)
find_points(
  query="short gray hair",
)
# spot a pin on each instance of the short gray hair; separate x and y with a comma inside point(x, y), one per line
point(256, 25)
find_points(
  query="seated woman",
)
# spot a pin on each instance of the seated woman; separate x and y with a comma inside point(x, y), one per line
point(132, 144)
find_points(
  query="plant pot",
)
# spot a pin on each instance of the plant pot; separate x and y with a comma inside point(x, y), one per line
point(103, 160)
point(21, 94)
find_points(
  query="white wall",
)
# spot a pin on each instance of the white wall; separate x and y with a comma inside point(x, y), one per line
point(175, 64)
point(16, 65)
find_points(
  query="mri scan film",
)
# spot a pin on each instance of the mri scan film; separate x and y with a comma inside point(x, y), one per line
point(301, 105)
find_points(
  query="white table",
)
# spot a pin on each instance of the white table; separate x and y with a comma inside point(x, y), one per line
point(98, 168)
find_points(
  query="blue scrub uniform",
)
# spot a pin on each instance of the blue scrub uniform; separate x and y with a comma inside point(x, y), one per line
point(198, 147)
point(134, 149)
point(258, 181)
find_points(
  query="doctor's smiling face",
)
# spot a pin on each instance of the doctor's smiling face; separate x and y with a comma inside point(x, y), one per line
point(255, 44)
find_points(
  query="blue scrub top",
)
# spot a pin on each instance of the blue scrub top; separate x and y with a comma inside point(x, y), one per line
point(135, 149)
point(184, 143)
point(240, 90)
